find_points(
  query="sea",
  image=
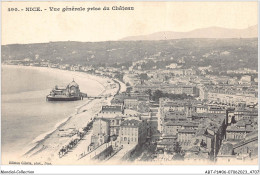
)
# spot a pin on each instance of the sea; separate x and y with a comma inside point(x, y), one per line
point(26, 115)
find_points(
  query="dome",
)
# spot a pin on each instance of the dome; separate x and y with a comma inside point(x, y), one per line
point(73, 83)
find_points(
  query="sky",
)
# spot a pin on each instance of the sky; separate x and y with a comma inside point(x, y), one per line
point(146, 18)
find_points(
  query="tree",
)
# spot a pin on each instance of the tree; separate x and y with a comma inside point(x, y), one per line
point(156, 95)
point(233, 120)
point(179, 153)
point(128, 89)
point(149, 92)
point(179, 156)
point(143, 76)
point(142, 107)
point(203, 143)
point(119, 76)
point(177, 148)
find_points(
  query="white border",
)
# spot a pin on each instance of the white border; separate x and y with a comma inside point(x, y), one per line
point(128, 169)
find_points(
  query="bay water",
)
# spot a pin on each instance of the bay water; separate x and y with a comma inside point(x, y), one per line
point(26, 115)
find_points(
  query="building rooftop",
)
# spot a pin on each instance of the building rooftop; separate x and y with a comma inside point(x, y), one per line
point(114, 100)
point(252, 134)
point(200, 132)
point(226, 149)
point(73, 83)
point(131, 123)
point(191, 124)
point(236, 129)
point(243, 123)
point(130, 98)
point(187, 131)
point(112, 108)
point(171, 123)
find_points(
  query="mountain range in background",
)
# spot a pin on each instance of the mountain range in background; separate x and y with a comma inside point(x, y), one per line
point(210, 32)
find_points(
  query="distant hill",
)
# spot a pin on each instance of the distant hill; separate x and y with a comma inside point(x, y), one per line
point(211, 32)
point(222, 54)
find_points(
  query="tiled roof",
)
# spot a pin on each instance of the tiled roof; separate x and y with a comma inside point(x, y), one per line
point(243, 122)
point(191, 124)
point(111, 108)
point(235, 129)
point(130, 98)
point(187, 131)
point(211, 115)
point(171, 123)
point(131, 123)
point(116, 100)
point(200, 132)
point(254, 133)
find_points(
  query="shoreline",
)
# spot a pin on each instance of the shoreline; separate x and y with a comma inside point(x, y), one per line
point(59, 72)
point(34, 146)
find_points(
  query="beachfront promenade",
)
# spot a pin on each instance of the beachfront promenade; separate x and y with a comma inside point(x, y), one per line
point(48, 149)
point(79, 149)
point(79, 153)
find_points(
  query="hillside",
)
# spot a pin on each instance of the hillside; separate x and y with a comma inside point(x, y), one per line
point(220, 53)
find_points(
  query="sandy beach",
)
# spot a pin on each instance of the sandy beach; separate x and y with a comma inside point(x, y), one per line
point(46, 147)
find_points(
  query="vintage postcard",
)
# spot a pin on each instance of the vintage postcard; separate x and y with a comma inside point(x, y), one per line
point(129, 83)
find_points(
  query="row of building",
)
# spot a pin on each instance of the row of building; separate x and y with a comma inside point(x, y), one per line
point(193, 128)
point(111, 123)
point(228, 95)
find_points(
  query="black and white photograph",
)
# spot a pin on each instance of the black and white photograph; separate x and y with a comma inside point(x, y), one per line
point(129, 83)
